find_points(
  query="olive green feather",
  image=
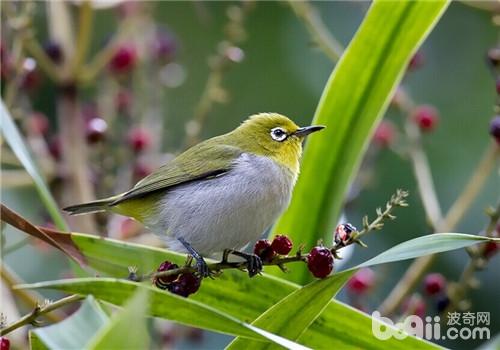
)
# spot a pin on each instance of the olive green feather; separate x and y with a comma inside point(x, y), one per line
point(205, 160)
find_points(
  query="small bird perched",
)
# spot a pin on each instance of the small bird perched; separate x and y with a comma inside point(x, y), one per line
point(220, 194)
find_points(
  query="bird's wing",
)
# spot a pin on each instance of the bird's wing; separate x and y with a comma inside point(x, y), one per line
point(202, 161)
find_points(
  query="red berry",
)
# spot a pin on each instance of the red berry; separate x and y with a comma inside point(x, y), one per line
point(498, 86)
point(55, 148)
point(186, 284)
point(385, 134)
point(282, 244)
point(490, 249)
point(141, 170)
point(414, 305)
point(495, 128)
point(30, 79)
point(263, 250)
point(38, 123)
point(343, 233)
point(4, 343)
point(54, 51)
point(426, 117)
point(96, 130)
point(124, 59)
point(434, 283)
point(139, 139)
point(362, 281)
point(123, 101)
point(320, 262)
point(163, 282)
point(416, 61)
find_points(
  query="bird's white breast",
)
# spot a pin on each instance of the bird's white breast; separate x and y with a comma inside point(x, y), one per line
point(227, 211)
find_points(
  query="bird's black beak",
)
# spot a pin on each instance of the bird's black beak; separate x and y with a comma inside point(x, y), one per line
point(306, 130)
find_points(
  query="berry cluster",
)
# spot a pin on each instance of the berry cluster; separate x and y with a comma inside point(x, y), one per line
point(267, 250)
point(183, 284)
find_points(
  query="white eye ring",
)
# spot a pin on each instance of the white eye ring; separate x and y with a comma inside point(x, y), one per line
point(278, 134)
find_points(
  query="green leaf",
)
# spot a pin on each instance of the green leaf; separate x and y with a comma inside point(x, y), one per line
point(426, 245)
point(354, 99)
point(18, 146)
point(294, 314)
point(75, 331)
point(165, 305)
point(112, 335)
point(35, 342)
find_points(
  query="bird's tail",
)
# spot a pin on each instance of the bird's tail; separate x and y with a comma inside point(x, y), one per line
point(90, 207)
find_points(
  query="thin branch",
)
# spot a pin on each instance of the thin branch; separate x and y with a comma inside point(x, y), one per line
point(84, 36)
point(317, 29)
point(38, 311)
point(29, 298)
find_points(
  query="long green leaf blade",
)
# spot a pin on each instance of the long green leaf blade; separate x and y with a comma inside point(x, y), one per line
point(18, 146)
point(354, 99)
point(165, 305)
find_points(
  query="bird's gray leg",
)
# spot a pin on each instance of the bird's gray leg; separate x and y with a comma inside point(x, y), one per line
point(254, 263)
point(201, 265)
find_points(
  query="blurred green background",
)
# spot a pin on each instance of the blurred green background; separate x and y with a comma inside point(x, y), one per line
point(282, 72)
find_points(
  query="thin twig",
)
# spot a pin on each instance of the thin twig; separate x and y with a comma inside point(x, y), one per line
point(38, 311)
point(317, 29)
point(30, 298)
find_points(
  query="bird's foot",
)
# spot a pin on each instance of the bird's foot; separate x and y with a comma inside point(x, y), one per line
point(254, 263)
point(201, 265)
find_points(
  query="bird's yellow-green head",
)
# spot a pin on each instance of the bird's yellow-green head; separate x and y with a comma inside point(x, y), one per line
point(275, 136)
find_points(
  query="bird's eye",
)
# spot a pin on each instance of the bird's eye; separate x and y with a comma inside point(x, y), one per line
point(278, 134)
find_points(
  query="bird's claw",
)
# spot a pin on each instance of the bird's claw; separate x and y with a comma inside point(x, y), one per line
point(202, 268)
point(254, 265)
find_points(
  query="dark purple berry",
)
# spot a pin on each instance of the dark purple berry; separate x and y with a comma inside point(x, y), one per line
point(442, 303)
point(426, 117)
point(495, 128)
point(282, 244)
point(264, 250)
point(164, 282)
point(124, 59)
point(96, 130)
point(362, 281)
point(320, 262)
point(164, 45)
point(343, 233)
point(434, 283)
point(54, 51)
point(498, 86)
point(186, 284)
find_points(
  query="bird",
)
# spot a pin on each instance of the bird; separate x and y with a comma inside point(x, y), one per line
point(219, 195)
